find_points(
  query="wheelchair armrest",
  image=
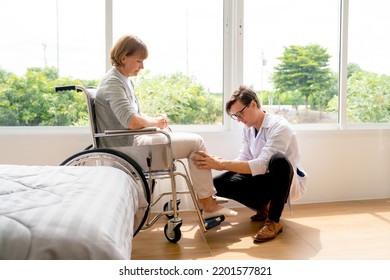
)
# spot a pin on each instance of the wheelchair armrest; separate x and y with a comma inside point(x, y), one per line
point(130, 131)
point(127, 132)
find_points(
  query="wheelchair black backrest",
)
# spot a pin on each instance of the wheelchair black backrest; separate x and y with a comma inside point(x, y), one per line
point(90, 94)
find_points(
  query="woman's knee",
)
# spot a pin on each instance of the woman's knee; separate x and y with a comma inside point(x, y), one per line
point(200, 144)
point(193, 140)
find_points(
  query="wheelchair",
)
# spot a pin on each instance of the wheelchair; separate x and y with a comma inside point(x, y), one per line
point(146, 165)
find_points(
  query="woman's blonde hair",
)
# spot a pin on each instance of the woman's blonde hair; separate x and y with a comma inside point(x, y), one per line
point(127, 45)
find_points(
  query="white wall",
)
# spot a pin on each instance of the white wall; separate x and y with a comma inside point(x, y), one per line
point(342, 164)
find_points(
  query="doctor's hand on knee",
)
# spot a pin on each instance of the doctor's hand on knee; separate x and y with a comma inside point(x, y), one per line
point(205, 161)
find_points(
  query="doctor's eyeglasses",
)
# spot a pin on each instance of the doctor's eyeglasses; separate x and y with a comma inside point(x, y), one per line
point(239, 114)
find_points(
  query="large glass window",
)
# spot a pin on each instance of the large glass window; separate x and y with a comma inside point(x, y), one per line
point(291, 51)
point(64, 34)
point(291, 57)
point(183, 74)
point(368, 87)
point(45, 43)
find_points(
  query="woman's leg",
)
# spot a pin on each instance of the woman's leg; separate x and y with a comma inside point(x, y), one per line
point(184, 146)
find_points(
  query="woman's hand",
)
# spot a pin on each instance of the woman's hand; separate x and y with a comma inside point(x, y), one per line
point(162, 121)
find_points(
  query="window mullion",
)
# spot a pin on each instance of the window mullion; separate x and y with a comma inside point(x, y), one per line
point(109, 31)
point(343, 62)
point(233, 49)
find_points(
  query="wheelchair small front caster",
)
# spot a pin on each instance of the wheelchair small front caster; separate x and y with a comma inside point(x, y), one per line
point(169, 207)
point(172, 230)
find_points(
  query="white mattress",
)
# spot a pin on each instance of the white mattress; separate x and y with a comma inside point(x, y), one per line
point(65, 212)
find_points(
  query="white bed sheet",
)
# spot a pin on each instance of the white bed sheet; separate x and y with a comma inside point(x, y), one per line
point(65, 212)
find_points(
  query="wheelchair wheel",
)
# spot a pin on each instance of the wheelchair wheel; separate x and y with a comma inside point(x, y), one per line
point(108, 157)
point(172, 232)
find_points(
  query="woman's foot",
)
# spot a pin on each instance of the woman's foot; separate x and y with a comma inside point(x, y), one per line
point(220, 200)
point(220, 212)
point(212, 209)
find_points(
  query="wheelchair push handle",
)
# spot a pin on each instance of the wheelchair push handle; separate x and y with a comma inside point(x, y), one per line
point(72, 87)
point(65, 88)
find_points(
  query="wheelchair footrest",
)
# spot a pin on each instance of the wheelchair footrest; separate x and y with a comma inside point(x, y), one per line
point(213, 222)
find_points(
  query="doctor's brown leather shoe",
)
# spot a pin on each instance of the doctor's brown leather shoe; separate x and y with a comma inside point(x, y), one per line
point(268, 231)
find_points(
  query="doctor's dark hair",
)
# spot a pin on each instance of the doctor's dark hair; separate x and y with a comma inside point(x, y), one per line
point(243, 94)
point(127, 45)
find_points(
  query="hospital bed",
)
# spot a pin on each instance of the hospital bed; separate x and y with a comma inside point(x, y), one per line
point(68, 212)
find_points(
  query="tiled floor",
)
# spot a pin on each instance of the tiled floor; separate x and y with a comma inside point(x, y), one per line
point(335, 231)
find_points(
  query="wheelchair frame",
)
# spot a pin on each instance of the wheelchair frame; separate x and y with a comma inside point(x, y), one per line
point(94, 155)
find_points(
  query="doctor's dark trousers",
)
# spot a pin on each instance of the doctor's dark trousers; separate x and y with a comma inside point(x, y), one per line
point(257, 191)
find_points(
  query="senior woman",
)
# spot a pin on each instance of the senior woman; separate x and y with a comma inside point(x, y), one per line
point(116, 107)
